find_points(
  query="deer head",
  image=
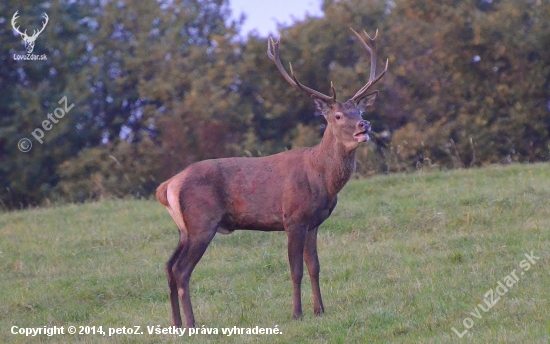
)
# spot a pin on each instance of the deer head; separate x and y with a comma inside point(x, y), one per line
point(344, 121)
point(29, 40)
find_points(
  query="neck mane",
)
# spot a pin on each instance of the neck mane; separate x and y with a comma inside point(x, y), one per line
point(333, 162)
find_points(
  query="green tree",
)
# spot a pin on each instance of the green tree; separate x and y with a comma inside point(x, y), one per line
point(31, 90)
point(162, 89)
point(159, 85)
point(474, 76)
point(321, 50)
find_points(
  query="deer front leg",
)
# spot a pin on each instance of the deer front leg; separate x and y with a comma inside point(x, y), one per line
point(296, 240)
point(313, 267)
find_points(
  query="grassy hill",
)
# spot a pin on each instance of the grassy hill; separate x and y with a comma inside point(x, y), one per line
point(404, 259)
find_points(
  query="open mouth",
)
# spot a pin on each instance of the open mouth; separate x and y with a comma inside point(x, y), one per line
point(362, 136)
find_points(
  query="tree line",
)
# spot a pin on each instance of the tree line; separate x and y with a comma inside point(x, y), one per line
point(157, 85)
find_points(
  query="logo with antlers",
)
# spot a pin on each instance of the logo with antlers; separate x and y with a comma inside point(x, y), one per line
point(28, 40)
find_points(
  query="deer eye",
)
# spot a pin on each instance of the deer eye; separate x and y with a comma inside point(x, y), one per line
point(338, 116)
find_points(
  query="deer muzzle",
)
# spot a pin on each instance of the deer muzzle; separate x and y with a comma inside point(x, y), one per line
point(362, 131)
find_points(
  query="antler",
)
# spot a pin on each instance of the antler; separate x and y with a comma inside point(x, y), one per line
point(13, 19)
point(273, 54)
point(24, 34)
point(372, 51)
point(35, 34)
point(44, 23)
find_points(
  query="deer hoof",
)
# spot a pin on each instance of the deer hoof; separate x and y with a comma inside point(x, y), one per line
point(297, 316)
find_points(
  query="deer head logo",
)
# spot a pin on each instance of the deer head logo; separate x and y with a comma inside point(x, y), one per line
point(28, 40)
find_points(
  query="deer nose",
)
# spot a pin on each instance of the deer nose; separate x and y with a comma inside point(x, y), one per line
point(364, 125)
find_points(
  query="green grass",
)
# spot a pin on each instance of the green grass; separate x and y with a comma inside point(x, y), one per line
point(404, 258)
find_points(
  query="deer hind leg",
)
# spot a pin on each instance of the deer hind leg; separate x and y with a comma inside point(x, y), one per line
point(180, 250)
point(185, 264)
point(172, 283)
point(313, 267)
point(296, 240)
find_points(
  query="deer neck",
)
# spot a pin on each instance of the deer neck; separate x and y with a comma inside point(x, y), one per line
point(333, 162)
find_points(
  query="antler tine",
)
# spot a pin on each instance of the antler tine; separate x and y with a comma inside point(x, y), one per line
point(273, 55)
point(364, 89)
point(371, 39)
point(13, 23)
point(373, 60)
point(44, 23)
point(14, 19)
point(372, 54)
point(47, 19)
point(311, 92)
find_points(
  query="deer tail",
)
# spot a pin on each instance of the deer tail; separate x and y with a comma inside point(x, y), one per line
point(170, 200)
point(162, 194)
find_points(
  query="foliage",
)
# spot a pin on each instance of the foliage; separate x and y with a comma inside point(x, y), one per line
point(475, 78)
point(31, 90)
point(158, 85)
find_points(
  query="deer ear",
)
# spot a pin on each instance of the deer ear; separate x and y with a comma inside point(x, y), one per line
point(367, 101)
point(321, 107)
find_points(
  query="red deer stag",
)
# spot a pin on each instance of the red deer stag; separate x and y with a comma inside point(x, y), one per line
point(293, 191)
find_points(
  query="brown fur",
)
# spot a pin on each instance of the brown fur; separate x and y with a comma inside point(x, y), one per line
point(294, 191)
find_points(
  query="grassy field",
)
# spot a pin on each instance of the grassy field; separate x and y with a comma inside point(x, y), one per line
point(404, 259)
